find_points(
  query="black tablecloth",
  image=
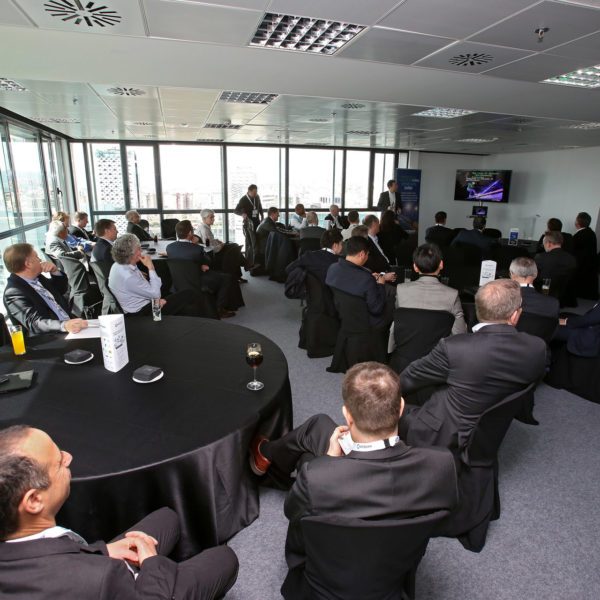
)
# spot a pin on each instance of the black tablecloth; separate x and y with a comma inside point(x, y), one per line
point(180, 442)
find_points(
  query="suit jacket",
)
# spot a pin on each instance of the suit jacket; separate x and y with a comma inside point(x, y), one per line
point(29, 309)
point(384, 201)
point(554, 263)
point(567, 243)
point(312, 231)
point(343, 221)
point(57, 248)
point(187, 251)
point(585, 251)
point(102, 252)
point(476, 371)
point(429, 293)
point(539, 304)
point(62, 568)
point(138, 231)
point(440, 235)
point(82, 233)
point(584, 333)
point(359, 281)
point(265, 228)
point(316, 262)
point(392, 483)
point(476, 238)
point(376, 262)
point(246, 206)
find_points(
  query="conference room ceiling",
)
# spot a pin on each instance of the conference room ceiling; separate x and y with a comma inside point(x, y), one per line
point(183, 70)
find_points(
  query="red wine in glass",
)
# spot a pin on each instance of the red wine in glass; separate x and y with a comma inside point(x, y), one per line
point(254, 358)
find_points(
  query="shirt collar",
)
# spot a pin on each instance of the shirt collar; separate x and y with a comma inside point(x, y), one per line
point(51, 532)
point(481, 326)
point(107, 240)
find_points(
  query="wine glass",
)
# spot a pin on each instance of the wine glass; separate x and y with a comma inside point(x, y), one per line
point(254, 357)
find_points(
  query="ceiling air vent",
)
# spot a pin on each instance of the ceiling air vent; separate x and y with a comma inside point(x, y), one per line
point(471, 59)
point(56, 120)
point(91, 14)
point(362, 132)
point(125, 91)
point(221, 126)
point(8, 85)
point(141, 123)
point(247, 97)
point(318, 120)
point(353, 106)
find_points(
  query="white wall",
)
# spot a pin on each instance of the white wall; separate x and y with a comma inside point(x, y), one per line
point(558, 184)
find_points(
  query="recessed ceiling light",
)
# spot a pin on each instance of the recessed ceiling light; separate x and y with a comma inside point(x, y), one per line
point(247, 97)
point(8, 85)
point(125, 91)
point(353, 106)
point(318, 120)
point(303, 34)
point(60, 120)
point(140, 123)
point(444, 113)
point(589, 125)
point(478, 140)
point(586, 78)
point(73, 11)
point(221, 126)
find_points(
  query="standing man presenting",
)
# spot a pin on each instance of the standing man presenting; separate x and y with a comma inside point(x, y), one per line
point(390, 200)
point(250, 209)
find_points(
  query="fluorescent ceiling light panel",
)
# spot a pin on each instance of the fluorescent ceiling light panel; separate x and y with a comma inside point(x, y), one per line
point(444, 113)
point(587, 126)
point(303, 34)
point(247, 97)
point(478, 140)
point(586, 78)
point(8, 85)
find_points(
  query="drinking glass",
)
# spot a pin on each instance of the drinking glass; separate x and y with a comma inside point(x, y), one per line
point(156, 309)
point(546, 286)
point(16, 336)
point(254, 357)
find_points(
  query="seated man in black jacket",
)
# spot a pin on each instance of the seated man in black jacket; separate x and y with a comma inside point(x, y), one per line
point(270, 224)
point(37, 303)
point(133, 226)
point(106, 234)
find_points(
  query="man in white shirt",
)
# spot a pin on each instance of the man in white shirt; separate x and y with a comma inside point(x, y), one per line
point(134, 292)
point(298, 217)
point(354, 220)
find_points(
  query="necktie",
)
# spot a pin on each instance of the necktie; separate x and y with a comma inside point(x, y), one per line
point(54, 305)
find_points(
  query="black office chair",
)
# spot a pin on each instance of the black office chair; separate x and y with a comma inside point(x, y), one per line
point(187, 275)
point(308, 244)
point(356, 559)
point(320, 323)
point(562, 287)
point(579, 375)
point(471, 254)
point(4, 334)
point(538, 325)
point(478, 472)
point(504, 254)
point(495, 234)
point(86, 299)
point(356, 341)
point(110, 305)
point(416, 332)
point(167, 229)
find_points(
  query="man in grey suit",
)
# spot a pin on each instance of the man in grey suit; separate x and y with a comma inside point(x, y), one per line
point(56, 245)
point(524, 271)
point(312, 229)
point(472, 371)
point(428, 292)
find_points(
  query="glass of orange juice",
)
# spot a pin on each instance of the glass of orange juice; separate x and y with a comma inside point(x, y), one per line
point(18, 341)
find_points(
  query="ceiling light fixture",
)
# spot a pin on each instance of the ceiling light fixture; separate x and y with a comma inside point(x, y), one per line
point(352, 106)
point(221, 126)
point(444, 113)
point(303, 34)
point(57, 120)
point(354, 132)
point(478, 140)
point(540, 32)
point(586, 126)
point(8, 85)
point(587, 78)
point(247, 97)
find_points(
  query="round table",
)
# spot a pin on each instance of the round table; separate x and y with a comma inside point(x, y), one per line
point(180, 442)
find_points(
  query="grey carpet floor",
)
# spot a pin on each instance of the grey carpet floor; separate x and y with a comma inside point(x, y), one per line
point(545, 544)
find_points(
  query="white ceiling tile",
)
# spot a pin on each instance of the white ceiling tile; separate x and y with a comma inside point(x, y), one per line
point(251, 4)
point(116, 17)
point(565, 23)
point(390, 45)
point(193, 21)
point(536, 68)
point(456, 18)
point(11, 15)
point(470, 57)
point(586, 48)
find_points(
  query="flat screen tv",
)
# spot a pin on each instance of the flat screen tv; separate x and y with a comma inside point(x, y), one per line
point(482, 186)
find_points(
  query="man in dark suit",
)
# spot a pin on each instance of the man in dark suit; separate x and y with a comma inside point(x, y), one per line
point(80, 219)
point(377, 262)
point(554, 262)
point(554, 224)
point(39, 560)
point(317, 262)
point(472, 371)
point(475, 237)
point(268, 226)
point(133, 226)
point(375, 476)
point(352, 277)
point(218, 283)
point(439, 234)
point(585, 250)
point(312, 229)
point(106, 234)
point(334, 219)
point(581, 333)
point(37, 303)
point(390, 200)
point(524, 271)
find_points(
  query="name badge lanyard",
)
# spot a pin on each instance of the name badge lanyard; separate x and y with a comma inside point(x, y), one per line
point(254, 210)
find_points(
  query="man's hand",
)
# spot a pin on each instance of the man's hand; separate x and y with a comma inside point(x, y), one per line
point(162, 302)
point(244, 216)
point(204, 268)
point(334, 447)
point(562, 321)
point(48, 267)
point(75, 325)
point(379, 278)
point(80, 248)
point(390, 276)
point(147, 262)
point(390, 208)
point(129, 548)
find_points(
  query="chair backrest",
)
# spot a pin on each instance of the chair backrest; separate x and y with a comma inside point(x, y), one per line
point(417, 331)
point(481, 447)
point(561, 287)
point(538, 325)
point(353, 312)
point(4, 335)
point(471, 253)
point(110, 304)
point(167, 229)
point(308, 244)
point(355, 559)
point(493, 233)
point(51, 259)
point(504, 254)
point(186, 274)
point(85, 299)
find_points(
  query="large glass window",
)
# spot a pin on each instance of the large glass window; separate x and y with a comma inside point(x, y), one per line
point(191, 177)
point(107, 177)
point(8, 208)
point(82, 201)
point(357, 179)
point(384, 170)
point(28, 172)
point(140, 174)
